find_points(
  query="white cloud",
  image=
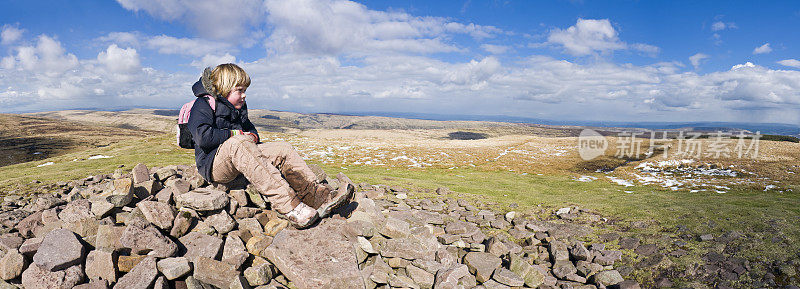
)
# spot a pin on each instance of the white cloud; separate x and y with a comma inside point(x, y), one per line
point(350, 28)
point(790, 63)
point(10, 34)
point(763, 49)
point(123, 38)
point(186, 46)
point(216, 19)
point(213, 60)
point(591, 36)
point(47, 57)
point(697, 59)
point(495, 49)
point(719, 25)
point(118, 60)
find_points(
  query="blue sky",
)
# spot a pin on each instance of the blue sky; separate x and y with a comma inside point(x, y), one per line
point(560, 60)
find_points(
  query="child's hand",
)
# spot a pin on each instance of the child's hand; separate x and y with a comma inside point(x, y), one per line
point(253, 137)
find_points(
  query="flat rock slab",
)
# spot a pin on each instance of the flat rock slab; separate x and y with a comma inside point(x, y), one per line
point(36, 277)
point(157, 213)
point(59, 250)
point(143, 240)
point(201, 245)
point(203, 199)
point(319, 257)
point(141, 277)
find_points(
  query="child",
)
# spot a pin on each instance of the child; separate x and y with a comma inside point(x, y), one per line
point(227, 144)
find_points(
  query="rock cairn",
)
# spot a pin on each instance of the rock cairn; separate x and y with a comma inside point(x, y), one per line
point(167, 228)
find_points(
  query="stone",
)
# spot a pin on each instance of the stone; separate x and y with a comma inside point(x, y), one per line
point(607, 278)
point(27, 225)
point(30, 246)
point(214, 272)
point(395, 228)
point(164, 173)
point(495, 247)
point(579, 252)
point(93, 284)
point(587, 269)
point(76, 211)
point(11, 265)
point(420, 277)
point(178, 186)
point(530, 276)
point(161, 283)
point(240, 196)
point(120, 192)
point(608, 257)
point(324, 258)
point(203, 199)
point(100, 265)
point(646, 249)
point(274, 226)
point(258, 275)
point(239, 282)
point(507, 277)
point(366, 245)
point(174, 268)
point(165, 195)
point(482, 265)
point(234, 251)
point(146, 189)
point(182, 223)
point(140, 173)
point(148, 240)
point(141, 277)
point(706, 237)
point(628, 243)
point(59, 250)
point(201, 245)
point(447, 278)
point(628, 284)
point(398, 281)
point(159, 214)
point(101, 207)
point(36, 277)
point(10, 242)
point(221, 221)
point(255, 197)
point(127, 263)
point(562, 268)
point(108, 237)
point(558, 251)
point(258, 243)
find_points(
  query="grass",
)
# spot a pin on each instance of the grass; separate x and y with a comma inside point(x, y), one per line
point(758, 215)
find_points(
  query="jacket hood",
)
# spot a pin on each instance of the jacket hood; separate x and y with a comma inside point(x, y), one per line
point(203, 86)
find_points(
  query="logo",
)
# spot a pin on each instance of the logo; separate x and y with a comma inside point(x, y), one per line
point(591, 144)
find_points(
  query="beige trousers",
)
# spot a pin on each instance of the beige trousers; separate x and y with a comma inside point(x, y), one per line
point(274, 168)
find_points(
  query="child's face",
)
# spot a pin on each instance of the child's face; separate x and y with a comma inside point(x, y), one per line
point(236, 96)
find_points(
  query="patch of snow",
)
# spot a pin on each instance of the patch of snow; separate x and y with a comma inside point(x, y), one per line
point(45, 164)
point(586, 179)
point(770, 187)
point(562, 211)
point(98, 157)
point(620, 182)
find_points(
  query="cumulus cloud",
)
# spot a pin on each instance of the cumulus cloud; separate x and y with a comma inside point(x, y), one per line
point(790, 63)
point(591, 36)
point(697, 59)
point(10, 34)
point(118, 60)
point(123, 38)
point(215, 19)
point(47, 57)
point(350, 28)
point(213, 60)
point(186, 46)
point(495, 49)
point(763, 49)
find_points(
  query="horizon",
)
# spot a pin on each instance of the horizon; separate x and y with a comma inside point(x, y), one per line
point(598, 61)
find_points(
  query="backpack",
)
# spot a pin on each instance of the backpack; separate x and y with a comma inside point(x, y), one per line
point(183, 137)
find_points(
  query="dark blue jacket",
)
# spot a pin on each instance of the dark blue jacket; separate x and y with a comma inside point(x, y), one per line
point(211, 128)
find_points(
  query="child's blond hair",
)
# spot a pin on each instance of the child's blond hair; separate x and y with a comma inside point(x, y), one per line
point(226, 76)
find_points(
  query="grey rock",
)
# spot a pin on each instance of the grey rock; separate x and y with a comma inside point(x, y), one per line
point(161, 283)
point(482, 265)
point(258, 275)
point(174, 268)
point(255, 197)
point(36, 277)
point(165, 195)
point(447, 278)
point(646, 249)
point(11, 265)
point(395, 228)
point(217, 273)
point(182, 223)
point(579, 252)
point(59, 250)
point(203, 199)
point(141, 277)
point(221, 221)
point(326, 255)
point(398, 281)
point(159, 214)
point(101, 207)
point(93, 284)
point(140, 173)
point(607, 278)
point(628, 243)
point(507, 277)
point(234, 251)
point(201, 245)
point(420, 277)
point(108, 237)
point(76, 211)
point(706, 237)
point(558, 251)
point(608, 257)
point(563, 268)
point(496, 247)
point(120, 192)
point(148, 240)
point(100, 265)
point(492, 284)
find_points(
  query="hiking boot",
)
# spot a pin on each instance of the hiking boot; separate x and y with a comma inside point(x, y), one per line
point(343, 195)
point(302, 216)
point(315, 195)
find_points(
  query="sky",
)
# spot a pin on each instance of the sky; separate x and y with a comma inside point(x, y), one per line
point(633, 61)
